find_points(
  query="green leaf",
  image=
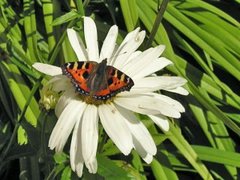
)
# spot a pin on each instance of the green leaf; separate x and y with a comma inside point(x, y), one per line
point(179, 163)
point(136, 161)
point(57, 169)
point(66, 18)
point(129, 9)
point(5, 134)
point(80, 6)
point(161, 166)
point(60, 158)
point(215, 10)
point(66, 174)
point(6, 98)
point(204, 40)
point(133, 173)
point(210, 22)
point(110, 149)
point(217, 156)
point(188, 48)
point(69, 54)
point(159, 138)
point(30, 29)
point(48, 11)
point(158, 171)
point(22, 136)
point(109, 170)
point(184, 147)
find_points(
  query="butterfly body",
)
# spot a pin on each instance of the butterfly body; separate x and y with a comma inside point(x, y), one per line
point(97, 80)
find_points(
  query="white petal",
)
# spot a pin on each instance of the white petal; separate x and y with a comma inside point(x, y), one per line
point(61, 84)
point(79, 168)
point(142, 152)
point(143, 60)
point(92, 166)
point(160, 121)
point(58, 83)
point(134, 103)
point(152, 67)
point(89, 134)
point(175, 104)
point(125, 50)
point(90, 33)
point(56, 78)
point(115, 126)
point(65, 124)
point(179, 90)
point(148, 158)
point(174, 82)
point(139, 131)
point(123, 59)
point(131, 35)
point(133, 43)
point(132, 56)
point(147, 104)
point(47, 69)
point(76, 158)
point(109, 43)
point(77, 45)
point(64, 100)
point(149, 84)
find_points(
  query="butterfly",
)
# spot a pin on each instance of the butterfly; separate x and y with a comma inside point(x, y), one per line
point(97, 80)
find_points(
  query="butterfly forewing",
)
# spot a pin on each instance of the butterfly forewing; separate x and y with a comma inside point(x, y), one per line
point(79, 73)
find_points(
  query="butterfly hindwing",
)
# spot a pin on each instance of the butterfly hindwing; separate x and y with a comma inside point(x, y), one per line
point(118, 81)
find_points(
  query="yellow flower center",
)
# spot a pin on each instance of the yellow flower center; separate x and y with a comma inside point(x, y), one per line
point(91, 100)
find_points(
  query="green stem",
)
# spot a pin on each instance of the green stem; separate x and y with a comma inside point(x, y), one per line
point(80, 7)
point(156, 23)
point(51, 174)
point(86, 2)
point(43, 141)
point(101, 144)
point(5, 152)
point(56, 49)
point(33, 91)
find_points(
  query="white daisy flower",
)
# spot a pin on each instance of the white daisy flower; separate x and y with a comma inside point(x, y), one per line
point(93, 91)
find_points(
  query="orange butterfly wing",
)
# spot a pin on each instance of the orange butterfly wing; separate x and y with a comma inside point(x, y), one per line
point(117, 82)
point(113, 81)
point(79, 73)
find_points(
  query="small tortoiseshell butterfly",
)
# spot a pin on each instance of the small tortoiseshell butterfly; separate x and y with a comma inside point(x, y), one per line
point(97, 80)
